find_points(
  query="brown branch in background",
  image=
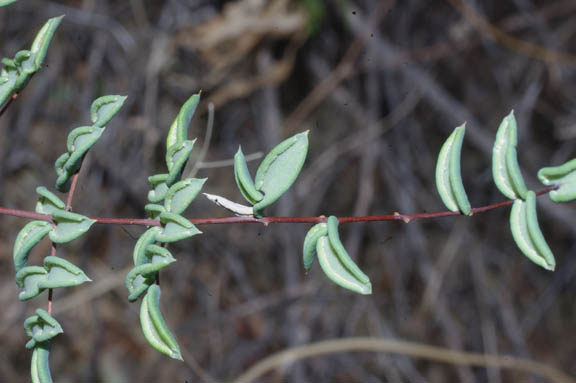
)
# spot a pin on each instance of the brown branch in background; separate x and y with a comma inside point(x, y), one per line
point(392, 346)
point(268, 220)
point(513, 43)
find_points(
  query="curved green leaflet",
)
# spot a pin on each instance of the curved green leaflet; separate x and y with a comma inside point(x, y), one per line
point(57, 272)
point(43, 39)
point(29, 278)
point(159, 187)
point(48, 202)
point(505, 168)
point(146, 239)
point(140, 278)
point(178, 131)
point(40, 366)
point(154, 326)
point(176, 158)
point(335, 270)
point(564, 176)
point(527, 233)
point(341, 252)
point(41, 328)
point(182, 193)
point(175, 228)
point(103, 109)
point(244, 179)
point(4, 3)
point(448, 176)
point(27, 238)
point(279, 169)
point(309, 248)
point(69, 226)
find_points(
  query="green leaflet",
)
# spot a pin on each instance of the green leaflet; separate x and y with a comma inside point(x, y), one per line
point(27, 238)
point(527, 234)
point(69, 226)
point(154, 327)
point(244, 179)
point(175, 228)
point(341, 252)
point(148, 238)
point(8, 78)
point(334, 259)
point(159, 187)
point(279, 169)
point(448, 176)
point(140, 278)
point(48, 202)
point(178, 131)
point(62, 273)
point(564, 176)
point(103, 109)
point(43, 39)
point(154, 210)
point(176, 158)
point(335, 270)
point(182, 193)
point(28, 278)
point(40, 365)
point(81, 139)
point(4, 3)
point(309, 248)
point(57, 272)
point(505, 168)
point(41, 328)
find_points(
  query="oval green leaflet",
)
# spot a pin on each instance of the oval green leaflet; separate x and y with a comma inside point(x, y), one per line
point(341, 252)
point(279, 169)
point(527, 233)
point(178, 131)
point(103, 109)
point(41, 328)
point(448, 175)
point(40, 365)
point(69, 226)
point(309, 248)
point(154, 326)
point(182, 193)
point(564, 176)
point(43, 39)
point(244, 179)
point(27, 238)
point(505, 168)
point(175, 228)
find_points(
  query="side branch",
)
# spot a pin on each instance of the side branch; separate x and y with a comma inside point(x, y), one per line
point(268, 220)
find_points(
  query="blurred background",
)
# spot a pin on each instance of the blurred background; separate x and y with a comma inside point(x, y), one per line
point(380, 85)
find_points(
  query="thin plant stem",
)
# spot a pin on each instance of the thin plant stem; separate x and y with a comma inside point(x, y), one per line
point(8, 103)
point(268, 220)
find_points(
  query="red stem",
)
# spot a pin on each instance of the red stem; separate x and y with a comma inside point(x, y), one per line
point(268, 220)
point(8, 103)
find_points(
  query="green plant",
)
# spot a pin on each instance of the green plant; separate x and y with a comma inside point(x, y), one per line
point(170, 196)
